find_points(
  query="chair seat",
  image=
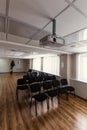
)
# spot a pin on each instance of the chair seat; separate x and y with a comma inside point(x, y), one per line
point(62, 90)
point(23, 87)
point(70, 88)
point(40, 97)
point(52, 93)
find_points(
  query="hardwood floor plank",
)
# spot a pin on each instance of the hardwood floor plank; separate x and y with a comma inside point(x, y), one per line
point(3, 123)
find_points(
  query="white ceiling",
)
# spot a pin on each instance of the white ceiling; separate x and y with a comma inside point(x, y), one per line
point(2, 6)
point(35, 12)
point(24, 22)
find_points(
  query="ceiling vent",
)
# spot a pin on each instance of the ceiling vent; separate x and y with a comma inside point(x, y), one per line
point(53, 39)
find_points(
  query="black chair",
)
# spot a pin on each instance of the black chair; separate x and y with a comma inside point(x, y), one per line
point(21, 85)
point(60, 91)
point(56, 85)
point(47, 85)
point(32, 77)
point(69, 89)
point(30, 70)
point(39, 78)
point(53, 77)
point(63, 91)
point(46, 77)
point(26, 77)
point(51, 90)
point(35, 92)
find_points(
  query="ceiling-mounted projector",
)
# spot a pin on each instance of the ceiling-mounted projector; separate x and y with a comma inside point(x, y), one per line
point(52, 40)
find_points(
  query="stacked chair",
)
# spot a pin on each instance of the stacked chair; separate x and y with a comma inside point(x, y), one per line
point(35, 92)
point(50, 89)
point(21, 85)
point(69, 89)
point(60, 91)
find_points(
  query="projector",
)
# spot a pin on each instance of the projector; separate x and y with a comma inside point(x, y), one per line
point(51, 40)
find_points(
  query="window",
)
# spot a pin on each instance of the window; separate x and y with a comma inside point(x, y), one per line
point(51, 64)
point(82, 67)
point(37, 64)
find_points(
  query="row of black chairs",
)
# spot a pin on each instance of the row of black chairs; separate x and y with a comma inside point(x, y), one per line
point(38, 77)
point(44, 91)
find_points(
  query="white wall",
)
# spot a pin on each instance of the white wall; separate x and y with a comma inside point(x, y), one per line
point(73, 66)
point(80, 87)
point(21, 65)
point(4, 65)
point(30, 64)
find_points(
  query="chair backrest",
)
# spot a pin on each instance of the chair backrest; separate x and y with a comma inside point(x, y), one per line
point(53, 77)
point(26, 77)
point(30, 70)
point(47, 85)
point(39, 78)
point(56, 83)
point(64, 82)
point(21, 81)
point(36, 87)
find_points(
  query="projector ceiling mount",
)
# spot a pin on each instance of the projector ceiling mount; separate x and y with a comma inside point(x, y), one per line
point(52, 39)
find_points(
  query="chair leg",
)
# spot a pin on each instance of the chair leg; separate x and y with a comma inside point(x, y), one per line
point(36, 107)
point(67, 96)
point(52, 100)
point(58, 97)
point(47, 103)
point(28, 94)
point(17, 94)
point(42, 104)
point(74, 92)
point(31, 103)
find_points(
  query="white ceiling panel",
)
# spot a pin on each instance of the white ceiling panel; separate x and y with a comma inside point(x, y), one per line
point(75, 47)
point(70, 21)
point(2, 24)
point(14, 38)
point(69, 0)
point(35, 12)
point(2, 6)
point(48, 28)
point(82, 5)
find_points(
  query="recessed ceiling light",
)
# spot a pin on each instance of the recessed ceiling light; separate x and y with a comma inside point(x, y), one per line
point(73, 46)
point(76, 46)
point(13, 50)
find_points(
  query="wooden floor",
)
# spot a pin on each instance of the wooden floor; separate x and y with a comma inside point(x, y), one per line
point(69, 115)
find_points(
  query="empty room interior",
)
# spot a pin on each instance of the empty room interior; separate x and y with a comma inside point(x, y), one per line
point(43, 64)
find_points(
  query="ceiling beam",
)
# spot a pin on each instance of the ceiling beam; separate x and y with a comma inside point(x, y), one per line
point(2, 15)
point(6, 18)
point(33, 47)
